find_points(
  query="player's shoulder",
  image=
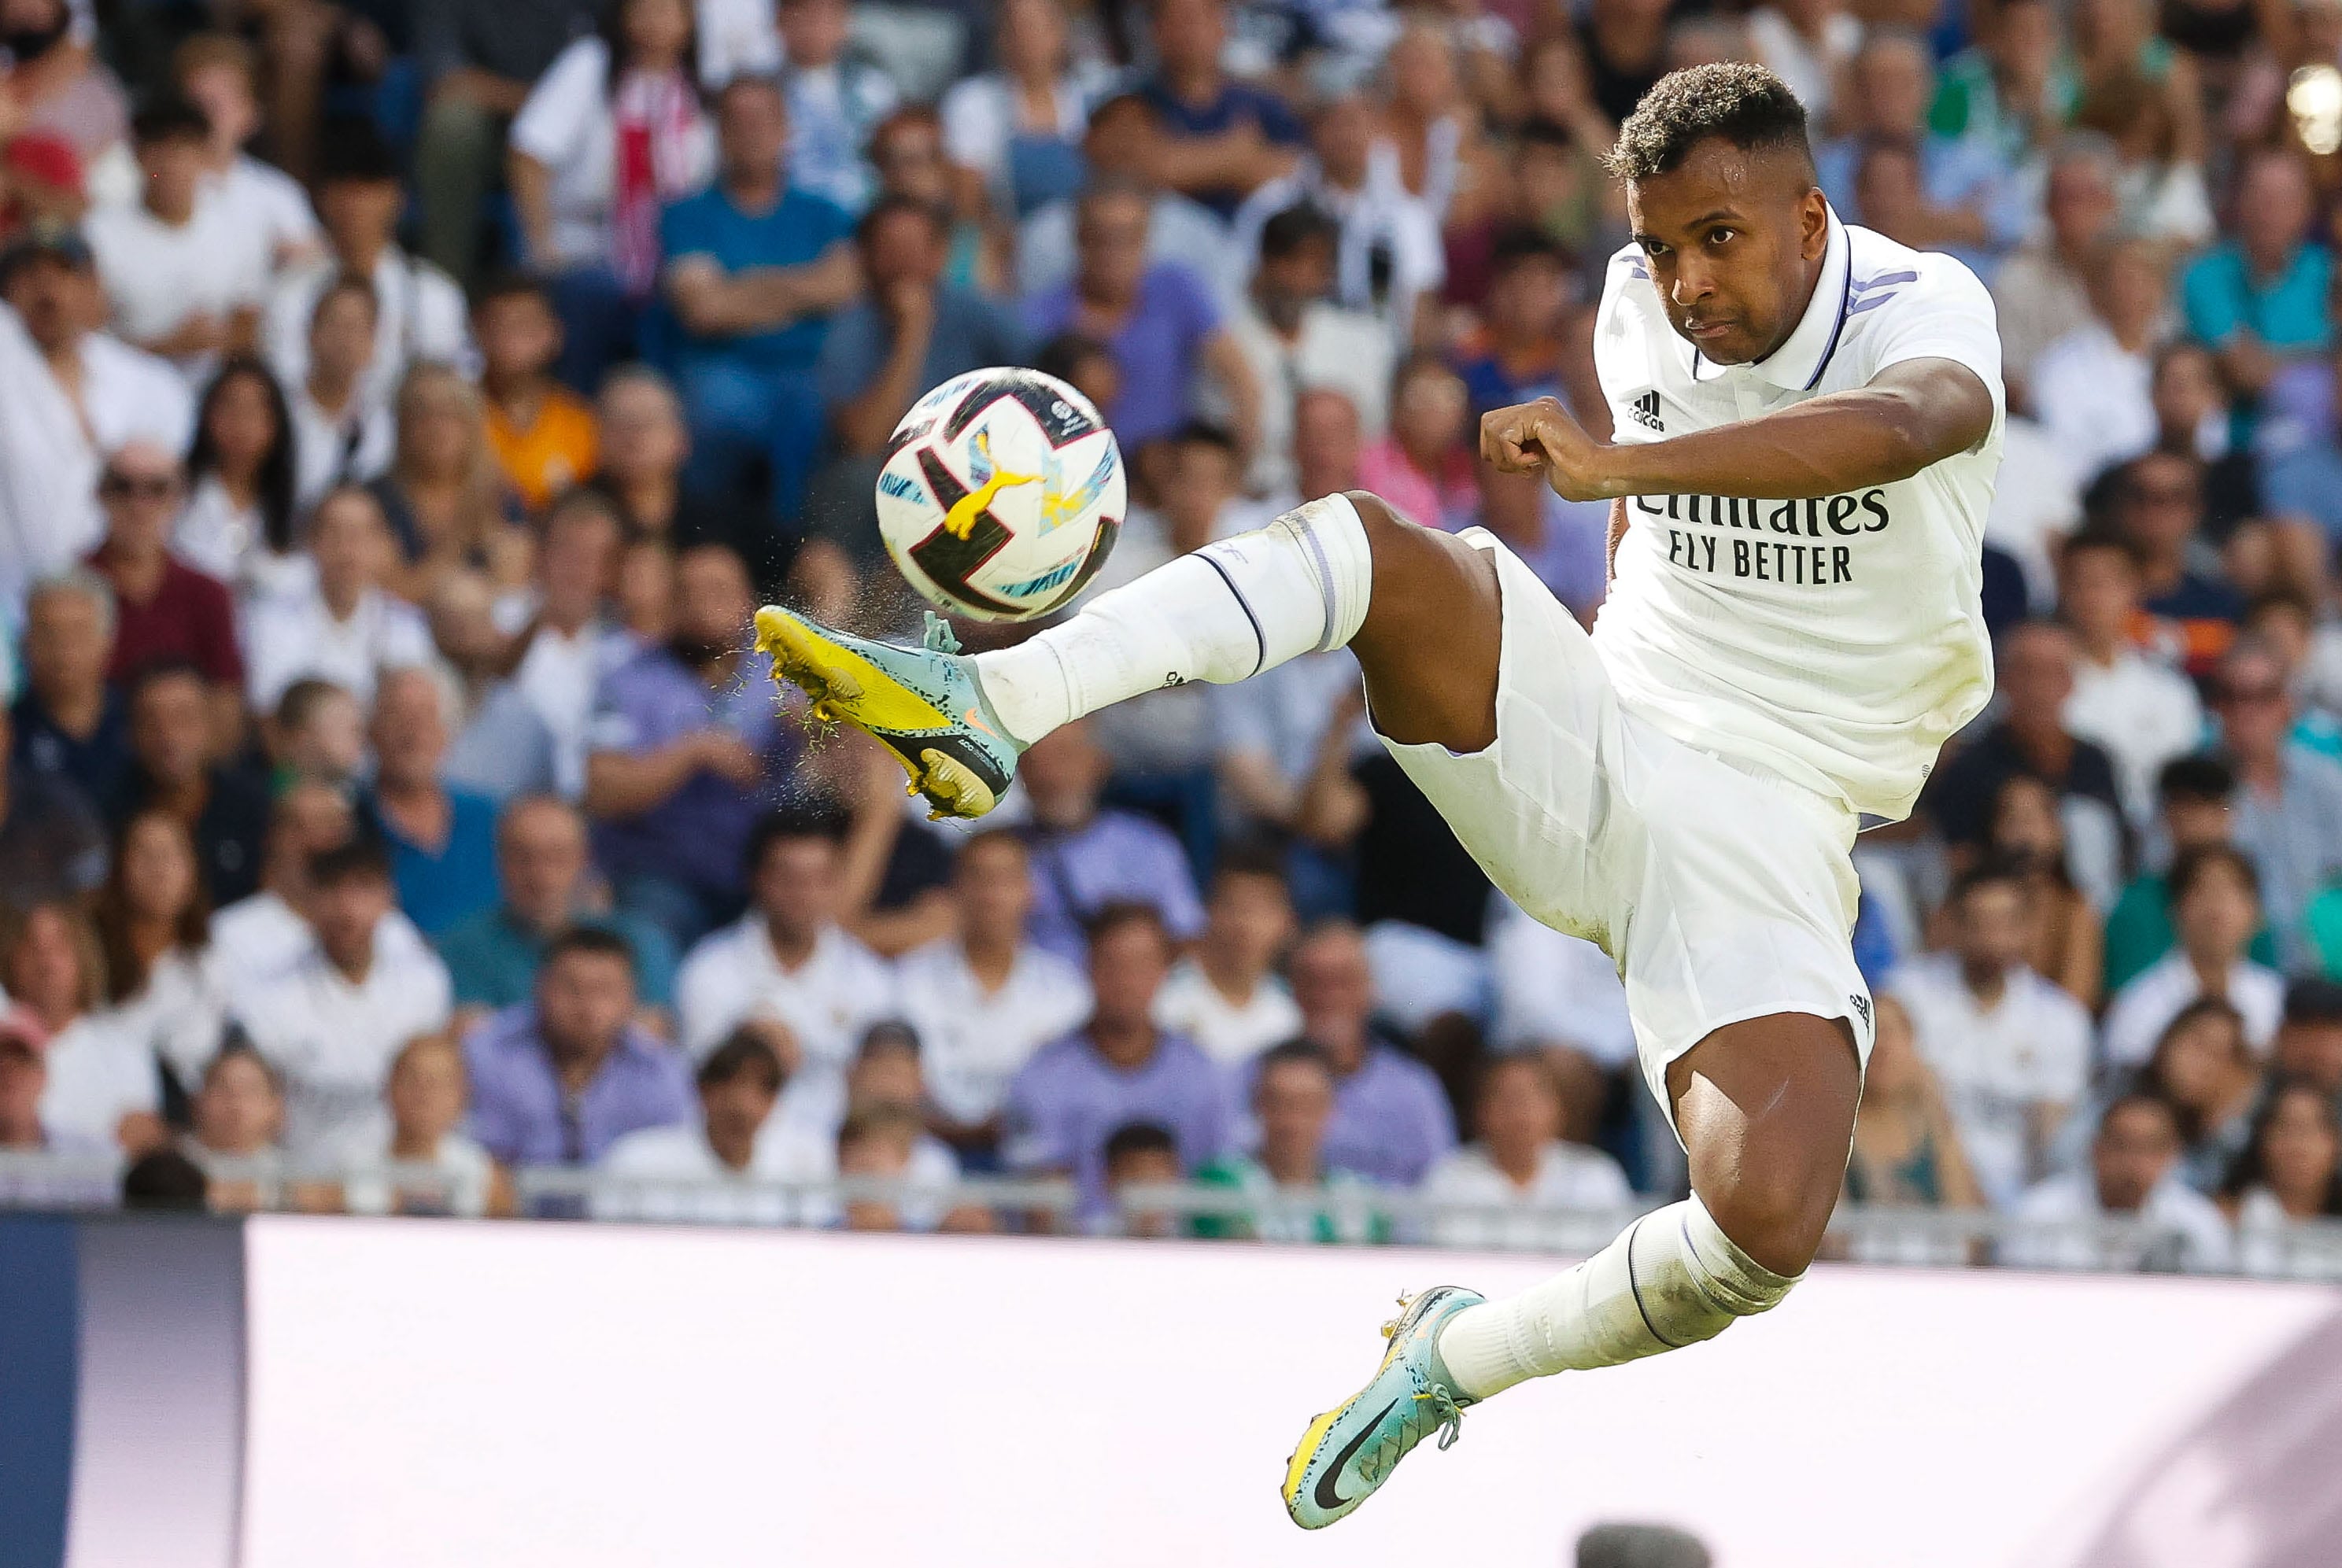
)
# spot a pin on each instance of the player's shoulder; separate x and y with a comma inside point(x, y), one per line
point(1882, 276)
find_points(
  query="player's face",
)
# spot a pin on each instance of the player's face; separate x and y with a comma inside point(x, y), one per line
point(1734, 240)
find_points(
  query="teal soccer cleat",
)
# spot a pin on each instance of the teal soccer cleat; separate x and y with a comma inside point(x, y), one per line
point(924, 703)
point(1349, 1452)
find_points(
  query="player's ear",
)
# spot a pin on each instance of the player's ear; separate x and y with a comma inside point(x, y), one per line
point(1813, 223)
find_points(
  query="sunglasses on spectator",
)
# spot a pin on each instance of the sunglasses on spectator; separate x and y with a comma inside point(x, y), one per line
point(139, 487)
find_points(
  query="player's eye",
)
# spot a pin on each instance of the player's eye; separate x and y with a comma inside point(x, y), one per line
point(1654, 248)
point(1722, 236)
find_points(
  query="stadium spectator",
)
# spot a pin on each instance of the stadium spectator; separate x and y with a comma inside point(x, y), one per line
point(543, 871)
point(1520, 1161)
point(1556, 993)
point(218, 72)
point(2195, 804)
point(2203, 1068)
point(2259, 298)
point(1085, 858)
point(477, 65)
point(2192, 421)
point(1423, 466)
point(984, 999)
point(165, 609)
point(1224, 995)
point(58, 87)
point(2093, 387)
point(835, 100)
point(645, 446)
point(541, 433)
point(2041, 293)
point(344, 627)
point(442, 842)
point(23, 1086)
point(342, 434)
point(100, 1086)
point(419, 316)
point(2303, 481)
point(2034, 665)
point(2155, 504)
point(237, 522)
point(882, 1145)
point(787, 964)
point(1142, 1154)
point(2288, 802)
point(756, 267)
point(1119, 1067)
point(2133, 1172)
point(1967, 205)
point(1622, 48)
point(184, 276)
point(171, 771)
point(610, 134)
point(238, 1113)
point(2216, 907)
point(1159, 318)
point(906, 153)
point(2064, 943)
point(726, 1165)
point(1517, 354)
point(1125, 146)
point(2011, 1051)
point(162, 990)
point(560, 1079)
point(1222, 138)
point(50, 844)
point(1014, 133)
point(317, 733)
point(75, 395)
point(263, 932)
point(439, 1169)
point(677, 751)
point(70, 722)
point(1293, 1194)
point(1907, 1149)
point(2142, 713)
point(359, 988)
point(1294, 335)
point(886, 1077)
point(443, 496)
point(2289, 1170)
point(1392, 1121)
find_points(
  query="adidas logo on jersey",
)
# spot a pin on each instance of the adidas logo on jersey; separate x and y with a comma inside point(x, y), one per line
point(1646, 410)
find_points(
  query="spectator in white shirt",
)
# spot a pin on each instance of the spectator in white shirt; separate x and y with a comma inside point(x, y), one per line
point(1520, 1161)
point(2143, 711)
point(153, 924)
point(73, 395)
point(985, 999)
point(787, 962)
point(2011, 1050)
point(420, 315)
point(239, 1111)
point(443, 1170)
point(334, 1019)
point(1226, 995)
point(344, 627)
point(1013, 135)
point(730, 1165)
point(2133, 1174)
point(2215, 900)
point(1556, 991)
point(1295, 336)
point(102, 1087)
point(341, 435)
point(217, 72)
point(2290, 1170)
point(184, 276)
point(2093, 389)
point(255, 936)
point(237, 524)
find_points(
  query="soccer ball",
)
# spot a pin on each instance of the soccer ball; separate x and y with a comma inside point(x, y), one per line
point(1001, 494)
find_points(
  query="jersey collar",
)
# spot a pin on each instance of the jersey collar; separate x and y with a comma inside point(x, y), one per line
point(1797, 365)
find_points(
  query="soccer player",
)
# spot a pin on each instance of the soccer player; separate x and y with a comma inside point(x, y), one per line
point(1809, 420)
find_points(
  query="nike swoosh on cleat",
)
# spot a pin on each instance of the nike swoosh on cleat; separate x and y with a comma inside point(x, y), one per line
point(974, 720)
point(1326, 1496)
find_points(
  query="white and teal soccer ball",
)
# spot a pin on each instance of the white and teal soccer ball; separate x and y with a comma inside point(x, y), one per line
point(1001, 494)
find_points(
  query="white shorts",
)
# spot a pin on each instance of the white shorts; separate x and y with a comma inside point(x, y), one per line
point(1723, 891)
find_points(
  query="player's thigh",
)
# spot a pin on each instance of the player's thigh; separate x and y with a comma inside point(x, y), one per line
point(1766, 1109)
point(1433, 634)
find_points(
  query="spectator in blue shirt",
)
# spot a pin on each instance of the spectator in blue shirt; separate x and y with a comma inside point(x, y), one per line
point(541, 860)
point(753, 271)
point(559, 1080)
point(2305, 481)
point(2261, 298)
point(442, 840)
point(1223, 139)
point(683, 739)
point(1084, 859)
point(1159, 320)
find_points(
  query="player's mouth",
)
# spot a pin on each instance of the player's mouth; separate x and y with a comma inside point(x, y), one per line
point(1707, 331)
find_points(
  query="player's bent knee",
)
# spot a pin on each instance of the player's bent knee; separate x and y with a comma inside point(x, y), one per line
point(1734, 1284)
point(1775, 1216)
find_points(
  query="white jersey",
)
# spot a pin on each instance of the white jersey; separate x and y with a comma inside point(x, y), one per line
point(1837, 641)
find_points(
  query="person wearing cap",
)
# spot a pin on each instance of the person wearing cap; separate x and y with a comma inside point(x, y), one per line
point(420, 315)
point(73, 395)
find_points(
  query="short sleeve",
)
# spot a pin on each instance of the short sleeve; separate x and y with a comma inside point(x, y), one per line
point(1947, 313)
point(551, 124)
point(686, 229)
point(975, 124)
point(1620, 358)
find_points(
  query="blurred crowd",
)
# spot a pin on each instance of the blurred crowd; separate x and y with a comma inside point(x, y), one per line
point(404, 404)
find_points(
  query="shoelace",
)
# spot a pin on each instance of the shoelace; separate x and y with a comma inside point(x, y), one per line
point(938, 637)
point(1435, 1407)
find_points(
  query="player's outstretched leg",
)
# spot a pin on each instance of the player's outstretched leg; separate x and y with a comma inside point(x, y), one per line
point(1237, 606)
point(1766, 1107)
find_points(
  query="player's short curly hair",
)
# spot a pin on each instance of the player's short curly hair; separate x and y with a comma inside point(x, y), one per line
point(1745, 104)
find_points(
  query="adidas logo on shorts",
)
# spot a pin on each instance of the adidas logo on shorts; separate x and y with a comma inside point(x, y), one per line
point(1646, 410)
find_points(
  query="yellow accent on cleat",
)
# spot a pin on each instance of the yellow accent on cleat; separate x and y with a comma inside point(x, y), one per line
point(843, 686)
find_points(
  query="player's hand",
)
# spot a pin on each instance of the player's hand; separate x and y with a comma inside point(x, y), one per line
point(1542, 437)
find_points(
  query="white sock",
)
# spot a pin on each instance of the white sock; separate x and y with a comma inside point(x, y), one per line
point(1225, 613)
point(1672, 1278)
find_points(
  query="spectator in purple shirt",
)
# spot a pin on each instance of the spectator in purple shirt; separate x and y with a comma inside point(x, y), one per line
point(1391, 1118)
point(682, 738)
point(1159, 321)
point(558, 1080)
point(1085, 858)
point(1119, 1068)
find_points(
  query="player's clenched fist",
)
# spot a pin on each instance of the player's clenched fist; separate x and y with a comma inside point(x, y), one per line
point(1541, 436)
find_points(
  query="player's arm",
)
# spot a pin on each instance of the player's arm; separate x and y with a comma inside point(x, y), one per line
point(1617, 536)
point(1913, 414)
